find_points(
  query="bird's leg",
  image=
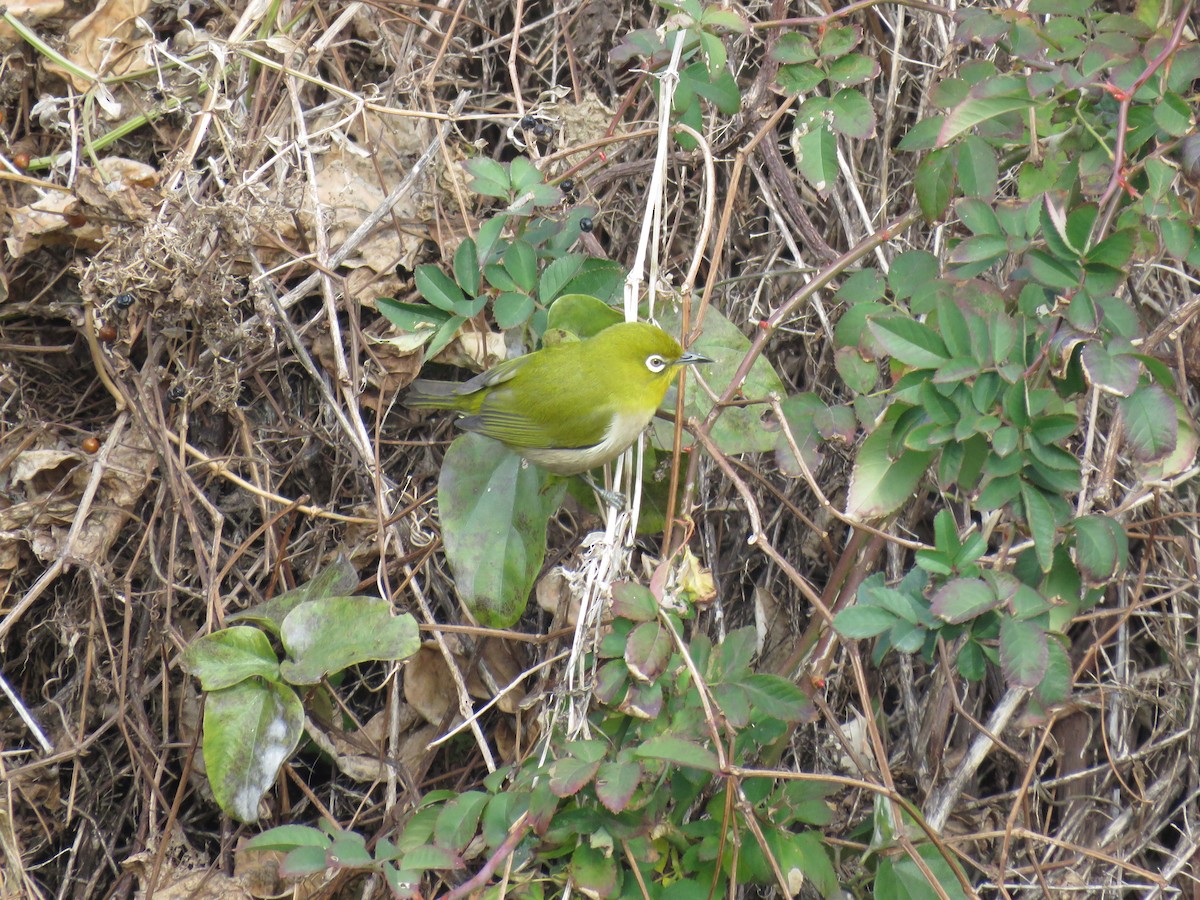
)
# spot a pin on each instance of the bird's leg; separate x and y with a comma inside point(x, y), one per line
point(614, 499)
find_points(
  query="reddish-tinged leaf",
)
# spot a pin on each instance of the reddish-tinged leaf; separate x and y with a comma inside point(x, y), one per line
point(615, 784)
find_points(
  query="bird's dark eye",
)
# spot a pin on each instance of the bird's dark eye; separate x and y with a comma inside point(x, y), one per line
point(655, 363)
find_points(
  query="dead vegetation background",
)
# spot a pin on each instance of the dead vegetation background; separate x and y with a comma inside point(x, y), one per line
point(196, 411)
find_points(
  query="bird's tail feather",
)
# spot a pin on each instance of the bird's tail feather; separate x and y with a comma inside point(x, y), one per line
point(426, 394)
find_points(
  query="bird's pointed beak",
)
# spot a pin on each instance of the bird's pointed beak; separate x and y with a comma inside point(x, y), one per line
point(690, 359)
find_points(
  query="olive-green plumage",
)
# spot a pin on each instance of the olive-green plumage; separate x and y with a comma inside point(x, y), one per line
point(572, 406)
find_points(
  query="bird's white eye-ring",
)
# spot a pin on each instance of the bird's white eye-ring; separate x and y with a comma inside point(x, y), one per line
point(655, 363)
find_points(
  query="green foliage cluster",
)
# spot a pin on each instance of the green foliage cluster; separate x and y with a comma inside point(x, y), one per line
point(516, 265)
point(987, 385)
point(646, 800)
point(254, 714)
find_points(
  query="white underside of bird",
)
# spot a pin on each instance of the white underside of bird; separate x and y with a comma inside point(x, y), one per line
point(624, 430)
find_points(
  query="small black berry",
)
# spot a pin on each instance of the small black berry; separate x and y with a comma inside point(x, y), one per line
point(567, 185)
point(585, 224)
point(124, 301)
point(527, 122)
point(542, 131)
point(176, 392)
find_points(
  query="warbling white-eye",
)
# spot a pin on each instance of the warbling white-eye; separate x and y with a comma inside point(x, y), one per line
point(571, 406)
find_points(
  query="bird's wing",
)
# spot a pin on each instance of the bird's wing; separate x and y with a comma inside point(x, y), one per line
point(497, 374)
point(537, 421)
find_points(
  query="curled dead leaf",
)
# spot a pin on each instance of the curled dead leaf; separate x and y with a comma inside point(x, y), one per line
point(107, 41)
point(29, 12)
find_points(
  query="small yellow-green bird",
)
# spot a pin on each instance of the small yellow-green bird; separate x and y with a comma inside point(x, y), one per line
point(568, 407)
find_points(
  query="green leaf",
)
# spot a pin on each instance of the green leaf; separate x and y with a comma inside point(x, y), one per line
point(444, 335)
point(922, 136)
point(859, 374)
point(455, 827)
point(1114, 374)
point(413, 318)
point(330, 634)
point(679, 752)
point(1053, 272)
point(557, 275)
point(600, 278)
point(525, 175)
point(1023, 652)
point(934, 183)
point(1173, 115)
point(793, 47)
point(1079, 225)
point(860, 622)
point(977, 170)
point(979, 107)
point(487, 237)
point(494, 511)
point(250, 731)
point(229, 656)
point(615, 784)
point(1149, 423)
point(304, 861)
point(737, 430)
point(348, 850)
point(512, 308)
point(1114, 251)
point(1056, 683)
point(1040, 518)
point(911, 269)
point(777, 697)
point(982, 251)
point(721, 91)
point(582, 315)
point(521, 263)
point(1181, 458)
point(648, 650)
point(853, 69)
point(853, 114)
point(799, 78)
point(594, 873)
point(717, 18)
point(568, 776)
point(951, 322)
point(466, 267)
point(288, 837)
point(909, 341)
point(488, 177)
point(714, 52)
point(1101, 549)
point(970, 661)
point(978, 216)
point(879, 484)
point(836, 42)
point(436, 287)
point(900, 878)
point(633, 601)
point(816, 156)
point(963, 599)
